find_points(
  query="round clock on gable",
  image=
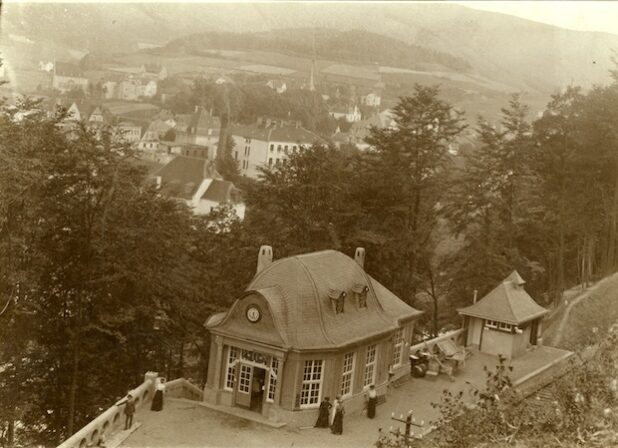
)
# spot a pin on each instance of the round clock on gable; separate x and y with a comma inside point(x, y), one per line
point(253, 313)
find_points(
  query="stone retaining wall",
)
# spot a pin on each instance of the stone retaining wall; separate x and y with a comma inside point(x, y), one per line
point(112, 418)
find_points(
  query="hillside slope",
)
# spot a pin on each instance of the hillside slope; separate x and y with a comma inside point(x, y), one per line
point(524, 54)
point(350, 46)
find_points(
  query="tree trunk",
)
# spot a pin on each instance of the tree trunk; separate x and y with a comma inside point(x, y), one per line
point(10, 434)
point(611, 246)
point(73, 388)
point(181, 360)
point(560, 255)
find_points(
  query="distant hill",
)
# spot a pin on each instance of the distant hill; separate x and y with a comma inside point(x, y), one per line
point(517, 53)
point(354, 46)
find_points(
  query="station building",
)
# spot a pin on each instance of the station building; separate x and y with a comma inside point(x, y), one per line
point(507, 321)
point(307, 327)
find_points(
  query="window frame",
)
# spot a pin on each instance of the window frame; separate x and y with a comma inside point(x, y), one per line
point(373, 349)
point(244, 378)
point(230, 368)
point(307, 394)
point(398, 343)
point(347, 376)
point(273, 376)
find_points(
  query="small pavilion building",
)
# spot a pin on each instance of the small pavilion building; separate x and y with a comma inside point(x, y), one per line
point(506, 322)
point(307, 327)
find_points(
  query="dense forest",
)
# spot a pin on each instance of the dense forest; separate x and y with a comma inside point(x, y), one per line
point(102, 278)
point(353, 46)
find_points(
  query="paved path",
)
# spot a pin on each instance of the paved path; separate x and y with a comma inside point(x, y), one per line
point(565, 317)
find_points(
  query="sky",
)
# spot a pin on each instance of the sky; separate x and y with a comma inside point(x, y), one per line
point(575, 15)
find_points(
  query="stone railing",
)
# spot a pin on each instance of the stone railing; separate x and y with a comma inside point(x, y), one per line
point(428, 345)
point(182, 388)
point(112, 418)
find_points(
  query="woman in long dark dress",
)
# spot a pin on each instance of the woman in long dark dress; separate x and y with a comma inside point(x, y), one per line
point(157, 401)
point(322, 421)
point(372, 401)
point(337, 426)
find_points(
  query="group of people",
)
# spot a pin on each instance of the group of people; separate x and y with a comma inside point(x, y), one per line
point(129, 403)
point(331, 414)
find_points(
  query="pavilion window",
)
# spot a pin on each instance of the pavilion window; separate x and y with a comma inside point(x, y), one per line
point(312, 382)
point(272, 379)
point(398, 347)
point(500, 326)
point(370, 366)
point(337, 298)
point(347, 374)
point(232, 356)
point(244, 380)
point(360, 294)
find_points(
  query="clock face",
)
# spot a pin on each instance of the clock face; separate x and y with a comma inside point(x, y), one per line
point(253, 313)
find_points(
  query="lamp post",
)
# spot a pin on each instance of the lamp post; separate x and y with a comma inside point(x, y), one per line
point(409, 421)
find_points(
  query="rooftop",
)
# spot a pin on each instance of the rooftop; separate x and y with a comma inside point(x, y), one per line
point(276, 133)
point(299, 291)
point(68, 69)
point(182, 176)
point(508, 302)
point(190, 424)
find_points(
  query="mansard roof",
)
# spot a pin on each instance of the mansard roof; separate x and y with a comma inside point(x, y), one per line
point(296, 291)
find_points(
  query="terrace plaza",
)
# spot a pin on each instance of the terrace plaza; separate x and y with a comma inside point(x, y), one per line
point(185, 423)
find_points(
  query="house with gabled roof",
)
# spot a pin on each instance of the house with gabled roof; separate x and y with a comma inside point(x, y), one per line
point(196, 182)
point(507, 321)
point(307, 327)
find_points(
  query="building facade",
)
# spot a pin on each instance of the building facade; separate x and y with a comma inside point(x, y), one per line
point(267, 143)
point(307, 327)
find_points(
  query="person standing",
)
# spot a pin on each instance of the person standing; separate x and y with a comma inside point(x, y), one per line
point(372, 401)
point(323, 414)
point(129, 410)
point(157, 401)
point(338, 413)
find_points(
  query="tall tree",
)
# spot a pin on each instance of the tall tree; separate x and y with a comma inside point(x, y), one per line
point(400, 183)
point(555, 162)
point(488, 204)
point(303, 204)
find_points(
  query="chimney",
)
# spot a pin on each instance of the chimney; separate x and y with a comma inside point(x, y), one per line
point(359, 257)
point(265, 258)
point(476, 293)
point(197, 108)
point(158, 181)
